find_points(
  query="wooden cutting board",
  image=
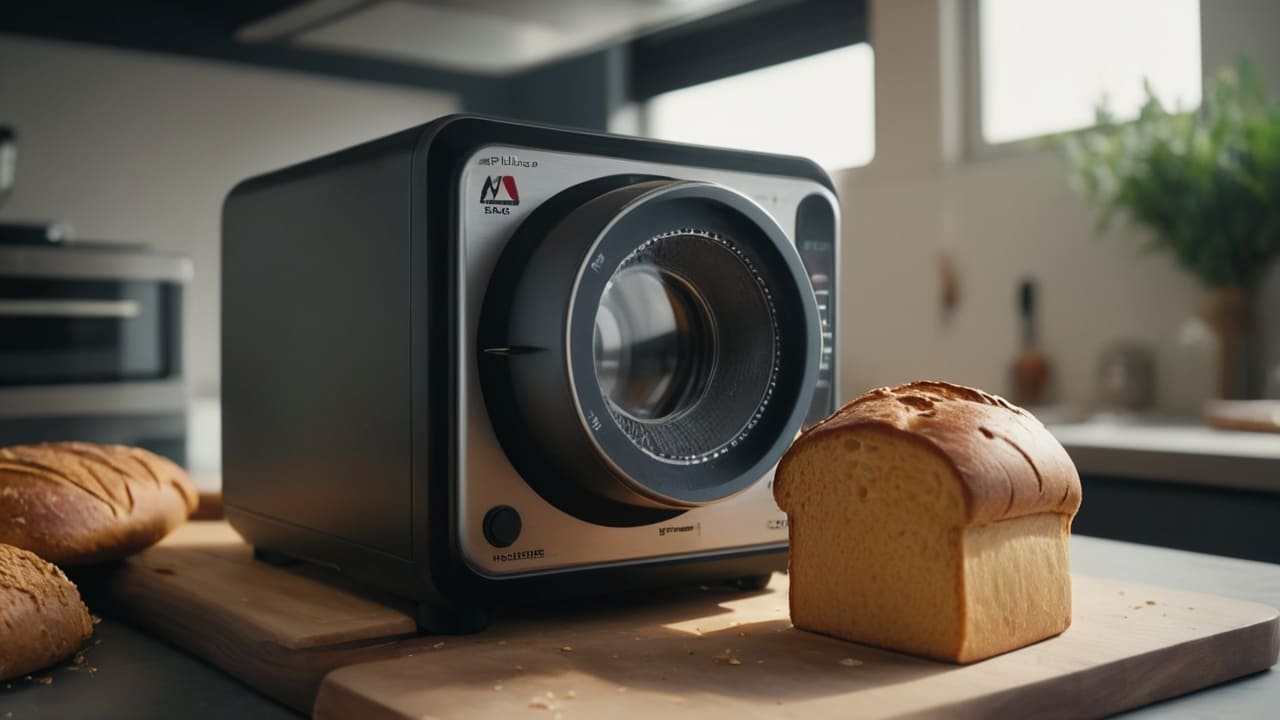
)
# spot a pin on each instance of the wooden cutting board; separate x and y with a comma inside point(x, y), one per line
point(319, 646)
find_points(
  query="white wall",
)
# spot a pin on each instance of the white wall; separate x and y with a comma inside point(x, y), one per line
point(999, 218)
point(143, 147)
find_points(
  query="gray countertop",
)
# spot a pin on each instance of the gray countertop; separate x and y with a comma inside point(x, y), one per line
point(1174, 452)
point(140, 677)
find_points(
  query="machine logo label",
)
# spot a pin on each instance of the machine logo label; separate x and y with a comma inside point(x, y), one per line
point(499, 190)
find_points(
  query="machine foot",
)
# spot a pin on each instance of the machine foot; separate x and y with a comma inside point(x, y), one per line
point(452, 621)
point(271, 557)
point(752, 582)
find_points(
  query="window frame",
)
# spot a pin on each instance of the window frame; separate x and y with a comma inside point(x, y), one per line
point(745, 38)
point(749, 37)
point(640, 113)
point(976, 147)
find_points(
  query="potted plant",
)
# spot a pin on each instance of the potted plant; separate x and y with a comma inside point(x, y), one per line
point(1207, 186)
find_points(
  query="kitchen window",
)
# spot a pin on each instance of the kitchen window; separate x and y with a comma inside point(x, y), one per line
point(1042, 65)
point(821, 107)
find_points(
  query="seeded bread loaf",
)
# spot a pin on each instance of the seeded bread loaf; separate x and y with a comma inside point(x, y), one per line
point(42, 619)
point(79, 503)
point(932, 519)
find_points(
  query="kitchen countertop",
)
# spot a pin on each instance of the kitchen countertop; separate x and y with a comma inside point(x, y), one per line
point(136, 676)
point(1180, 452)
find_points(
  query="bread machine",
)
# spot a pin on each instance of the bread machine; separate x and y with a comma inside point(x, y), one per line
point(480, 361)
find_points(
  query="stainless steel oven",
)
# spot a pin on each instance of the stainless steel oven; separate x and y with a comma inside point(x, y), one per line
point(91, 345)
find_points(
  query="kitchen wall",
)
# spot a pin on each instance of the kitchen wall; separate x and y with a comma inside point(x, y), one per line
point(141, 147)
point(1000, 218)
point(131, 148)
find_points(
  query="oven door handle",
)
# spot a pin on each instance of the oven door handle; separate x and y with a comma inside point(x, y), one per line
point(69, 308)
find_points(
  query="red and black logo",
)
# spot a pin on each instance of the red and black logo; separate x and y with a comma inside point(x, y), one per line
point(499, 190)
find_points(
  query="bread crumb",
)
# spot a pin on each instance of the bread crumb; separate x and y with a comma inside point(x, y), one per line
point(519, 667)
point(734, 661)
point(622, 688)
point(569, 648)
point(46, 680)
point(19, 521)
point(570, 695)
point(742, 634)
point(850, 662)
point(497, 687)
point(550, 695)
point(438, 645)
point(538, 703)
point(95, 619)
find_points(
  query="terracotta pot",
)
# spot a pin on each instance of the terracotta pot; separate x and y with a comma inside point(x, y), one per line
point(1227, 310)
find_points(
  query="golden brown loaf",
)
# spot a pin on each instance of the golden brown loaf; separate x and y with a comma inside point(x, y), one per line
point(78, 503)
point(933, 519)
point(42, 619)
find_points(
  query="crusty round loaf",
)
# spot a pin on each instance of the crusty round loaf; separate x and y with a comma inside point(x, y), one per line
point(42, 619)
point(78, 503)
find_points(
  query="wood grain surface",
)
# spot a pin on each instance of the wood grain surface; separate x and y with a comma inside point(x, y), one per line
point(317, 645)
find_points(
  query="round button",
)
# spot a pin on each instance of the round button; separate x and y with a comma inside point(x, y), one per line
point(501, 525)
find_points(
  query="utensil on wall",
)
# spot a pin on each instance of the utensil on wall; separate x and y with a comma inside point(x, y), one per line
point(8, 162)
point(948, 284)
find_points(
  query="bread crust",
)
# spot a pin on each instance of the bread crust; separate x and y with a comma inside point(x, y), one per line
point(42, 619)
point(79, 503)
point(1008, 463)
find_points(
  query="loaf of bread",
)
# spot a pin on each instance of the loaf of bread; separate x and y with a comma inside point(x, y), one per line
point(78, 503)
point(931, 519)
point(42, 619)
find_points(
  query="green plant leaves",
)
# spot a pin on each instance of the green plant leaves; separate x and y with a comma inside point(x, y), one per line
point(1207, 185)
